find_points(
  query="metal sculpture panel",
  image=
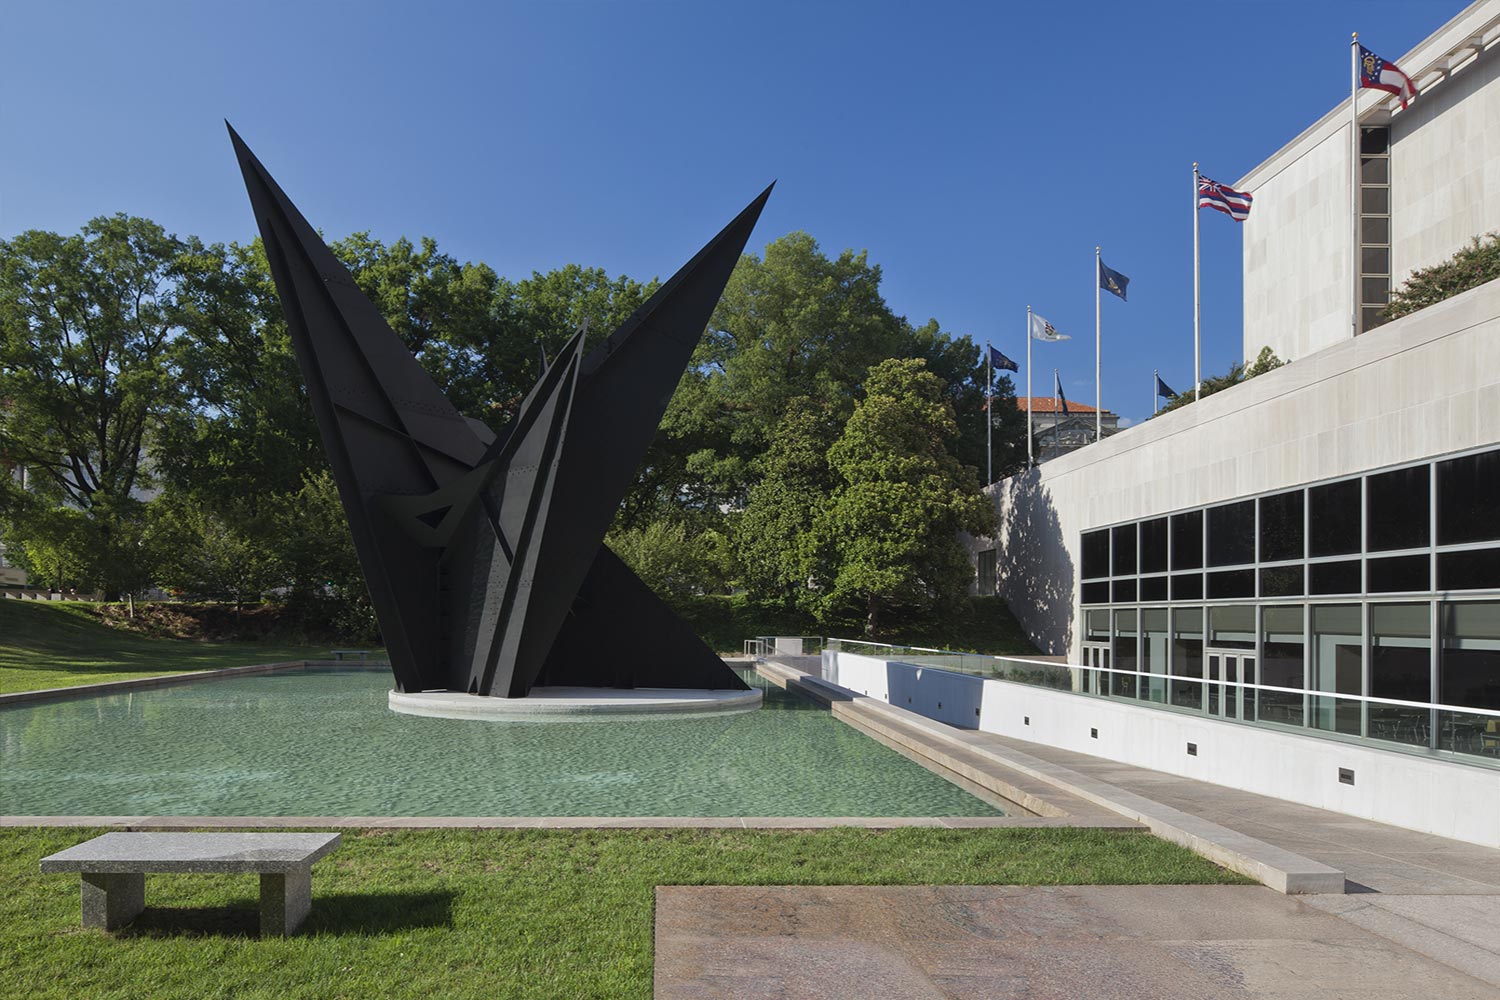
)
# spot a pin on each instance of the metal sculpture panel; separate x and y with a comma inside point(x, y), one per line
point(484, 553)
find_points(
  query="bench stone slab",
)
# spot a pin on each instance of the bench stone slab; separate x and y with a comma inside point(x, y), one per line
point(113, 868)
point(194, 852)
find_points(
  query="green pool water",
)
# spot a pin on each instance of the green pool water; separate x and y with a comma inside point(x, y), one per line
point(323, 743)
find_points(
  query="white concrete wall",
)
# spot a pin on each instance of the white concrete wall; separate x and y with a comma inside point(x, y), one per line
point(1425, 385)
point(1296, 253)
point(1445, 167)
point(1433, 796)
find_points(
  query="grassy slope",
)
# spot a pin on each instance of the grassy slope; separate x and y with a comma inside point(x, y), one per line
point(460, 914)
point(47, 644)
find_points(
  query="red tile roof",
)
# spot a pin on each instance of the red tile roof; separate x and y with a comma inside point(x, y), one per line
point(1048, 404)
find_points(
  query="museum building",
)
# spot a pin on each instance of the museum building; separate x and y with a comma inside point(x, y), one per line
point(1315, 551)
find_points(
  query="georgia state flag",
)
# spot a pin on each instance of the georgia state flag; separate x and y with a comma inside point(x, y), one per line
point(1377, 74)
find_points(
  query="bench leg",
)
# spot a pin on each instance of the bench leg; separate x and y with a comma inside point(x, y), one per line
point(112, 900)
point(285, 901)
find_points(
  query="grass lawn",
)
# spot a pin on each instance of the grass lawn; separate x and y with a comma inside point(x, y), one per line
point(59, 644)
point(439, 914)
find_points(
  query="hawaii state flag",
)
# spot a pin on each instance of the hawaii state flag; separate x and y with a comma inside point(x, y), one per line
point(1377, 74)
point(1212, 194)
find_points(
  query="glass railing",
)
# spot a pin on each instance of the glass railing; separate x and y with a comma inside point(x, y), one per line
point(1469, 733)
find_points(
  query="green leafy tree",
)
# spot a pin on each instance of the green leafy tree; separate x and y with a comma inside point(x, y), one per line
point(87, 376)
point(891, 525)
point(1264, 362)
point(774, 535)
point(1471, 267)
point(206, 556)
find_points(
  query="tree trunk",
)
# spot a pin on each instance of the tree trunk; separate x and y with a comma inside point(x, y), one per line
point(872, 615)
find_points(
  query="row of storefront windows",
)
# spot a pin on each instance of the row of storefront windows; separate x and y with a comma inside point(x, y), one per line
point(1332, 657)
point(1425, 528)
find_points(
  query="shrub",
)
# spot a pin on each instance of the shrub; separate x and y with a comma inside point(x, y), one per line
point(1471, 267)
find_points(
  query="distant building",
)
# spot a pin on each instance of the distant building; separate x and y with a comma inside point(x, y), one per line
point(1058, 432)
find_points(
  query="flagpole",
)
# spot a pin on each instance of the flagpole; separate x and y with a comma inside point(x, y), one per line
point(1354, 181)
point(1056, 413)
point(1197, 304)
point(1156, 392)
point(989, 413)
point(1098, 388)
point(1030, 460)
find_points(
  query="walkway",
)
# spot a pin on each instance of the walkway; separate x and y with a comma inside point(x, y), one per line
point(1410, 901)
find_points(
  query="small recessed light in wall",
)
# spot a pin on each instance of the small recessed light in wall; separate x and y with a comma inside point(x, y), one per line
point(908, 699)
point(1093, 734)
point(1346, 776)
point(940, 704)
point(1192, 749)
point(1026, 720)
point(976, 713)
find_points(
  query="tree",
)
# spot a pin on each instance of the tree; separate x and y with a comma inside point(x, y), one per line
point(1471, 267)
point(774, 535)
point(87, 376)
point(1264, 362)
point(891, 525)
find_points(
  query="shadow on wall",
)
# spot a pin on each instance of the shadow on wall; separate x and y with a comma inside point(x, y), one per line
point(1034, 570)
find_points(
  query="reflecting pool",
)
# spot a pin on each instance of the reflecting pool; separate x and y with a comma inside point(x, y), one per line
point(323, 743)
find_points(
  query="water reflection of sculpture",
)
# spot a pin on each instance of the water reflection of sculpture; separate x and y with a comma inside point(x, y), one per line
point(484, 554)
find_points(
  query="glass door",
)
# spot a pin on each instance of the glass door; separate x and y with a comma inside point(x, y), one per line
point(1225, 698)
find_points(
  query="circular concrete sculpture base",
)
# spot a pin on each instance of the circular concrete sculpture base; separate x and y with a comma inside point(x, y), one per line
point(565, 704)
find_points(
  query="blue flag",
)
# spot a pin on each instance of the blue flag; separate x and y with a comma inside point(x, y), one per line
point(1163, 390)
point(1000, 361)
point(1057, 379)
point(1112, 281)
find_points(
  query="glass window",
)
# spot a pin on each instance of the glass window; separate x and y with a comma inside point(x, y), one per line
point(1375, 291)
point(1333, 518)
point(1281, 663)
point(1187, 540)
point(1477, 569)
point(1396, 574)
point(987, 571)
point(1281, 581)
point(1187, 586)
point(1095, 555)
point(1124, 591)
point(1374, 141)
point(1375, 201)
point(1123, 539)
point(1375, 260)
point(1231, 583)
point(1375, 170)
point(1401, 669)
point(1095, 593)
point(1125, 653)
point(1333, 577)
point(1232, 627)
point(1187, 657)
point(1397, 509)
point(1154, 653)
point(1154, 545)
point(1469, 673)
point(1281, 527)
point(1469, 498)
point(1375, 228)
point(1153, 588)
point(1231, 534)
point(1337, 666)
point(1097, 626)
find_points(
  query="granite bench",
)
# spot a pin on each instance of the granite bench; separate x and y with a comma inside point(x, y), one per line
point(113, 870)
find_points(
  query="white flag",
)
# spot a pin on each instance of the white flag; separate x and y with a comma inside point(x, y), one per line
point(1042, 330)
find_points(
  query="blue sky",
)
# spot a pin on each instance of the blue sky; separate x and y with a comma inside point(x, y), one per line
point(977, 151)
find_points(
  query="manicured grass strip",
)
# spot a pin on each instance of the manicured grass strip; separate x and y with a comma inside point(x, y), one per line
point(59, 644)
point(469, 914)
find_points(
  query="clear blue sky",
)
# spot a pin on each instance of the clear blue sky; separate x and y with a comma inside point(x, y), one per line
point(978, 151)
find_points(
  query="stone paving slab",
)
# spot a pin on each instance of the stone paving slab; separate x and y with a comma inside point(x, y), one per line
point(1037, 943)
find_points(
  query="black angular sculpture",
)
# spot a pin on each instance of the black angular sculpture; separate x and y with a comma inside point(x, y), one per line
point(484, 555)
